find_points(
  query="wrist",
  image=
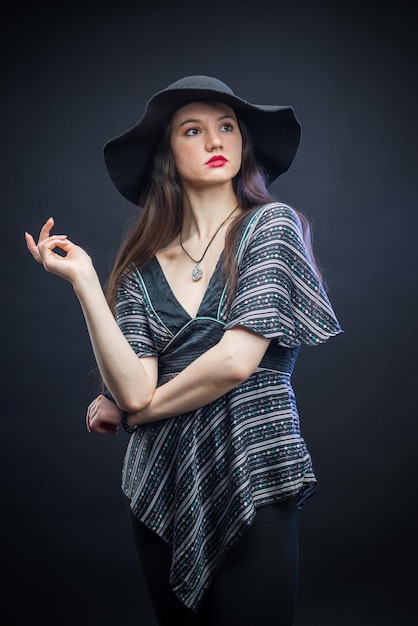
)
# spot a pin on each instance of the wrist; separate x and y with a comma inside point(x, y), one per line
point(124, 421)
point(123, 414)
point(86, 281)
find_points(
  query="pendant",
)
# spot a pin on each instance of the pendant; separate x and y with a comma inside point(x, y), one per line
point(197, 273)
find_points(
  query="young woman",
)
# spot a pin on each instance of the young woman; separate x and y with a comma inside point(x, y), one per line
point(211, 296)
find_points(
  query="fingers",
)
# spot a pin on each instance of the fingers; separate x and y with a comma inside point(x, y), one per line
point(97, 422)
point(88, 417)
point(33, 248)
point(44, 240)
point(91, 412)
point(106, 429)
point(46, 228)
point(47, 246)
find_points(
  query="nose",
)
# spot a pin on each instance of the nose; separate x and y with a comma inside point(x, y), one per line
point(213, 140)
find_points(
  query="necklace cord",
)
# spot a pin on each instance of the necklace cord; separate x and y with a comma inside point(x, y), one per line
point(210, 241)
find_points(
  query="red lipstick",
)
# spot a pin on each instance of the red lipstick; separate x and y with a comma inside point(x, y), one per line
point(216, 161)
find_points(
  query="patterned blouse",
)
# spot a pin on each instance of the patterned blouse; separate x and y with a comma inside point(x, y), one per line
point(197, 479)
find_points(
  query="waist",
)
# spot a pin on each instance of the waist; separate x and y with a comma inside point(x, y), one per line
point(279, 358)
point(276, 358)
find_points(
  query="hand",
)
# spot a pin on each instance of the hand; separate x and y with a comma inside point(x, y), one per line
point(75, 261)
point(103, 416)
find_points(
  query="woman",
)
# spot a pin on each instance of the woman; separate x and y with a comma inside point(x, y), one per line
point(214, 289)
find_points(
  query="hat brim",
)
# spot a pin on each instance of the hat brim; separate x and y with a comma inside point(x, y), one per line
point(275, 131)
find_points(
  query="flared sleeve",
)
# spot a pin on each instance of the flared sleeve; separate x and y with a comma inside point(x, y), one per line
point(131, 316)
point(278, 292)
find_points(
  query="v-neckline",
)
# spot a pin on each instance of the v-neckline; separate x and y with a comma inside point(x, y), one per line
point(205, 293)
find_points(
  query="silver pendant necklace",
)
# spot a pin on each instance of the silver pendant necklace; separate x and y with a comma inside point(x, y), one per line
point(197, 272)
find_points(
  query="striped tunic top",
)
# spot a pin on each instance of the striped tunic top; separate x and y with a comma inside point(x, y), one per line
point(197, 479)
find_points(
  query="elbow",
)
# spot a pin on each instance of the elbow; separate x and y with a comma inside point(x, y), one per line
point(135, 391)
point(237, 369)
point(133, 402)
point(241, 373)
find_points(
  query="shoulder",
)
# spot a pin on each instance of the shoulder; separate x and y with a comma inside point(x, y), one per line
point(274, 231)
point(276, 213)
point(131, 283)
point(274, 221)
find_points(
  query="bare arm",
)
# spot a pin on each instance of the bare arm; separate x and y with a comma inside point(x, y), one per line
point(210, 376)
point(131, 380)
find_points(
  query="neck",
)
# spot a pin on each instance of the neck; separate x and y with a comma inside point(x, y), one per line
point(203, 213)
point(197, 270)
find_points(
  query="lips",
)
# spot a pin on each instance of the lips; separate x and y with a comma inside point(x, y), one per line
point(216, 161)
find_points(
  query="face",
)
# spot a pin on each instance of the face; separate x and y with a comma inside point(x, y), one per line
point(206, 143)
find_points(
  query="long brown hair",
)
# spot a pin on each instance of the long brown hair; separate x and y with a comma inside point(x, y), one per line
point(161, 217)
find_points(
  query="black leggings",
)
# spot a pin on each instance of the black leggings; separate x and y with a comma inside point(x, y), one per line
point(256, 585)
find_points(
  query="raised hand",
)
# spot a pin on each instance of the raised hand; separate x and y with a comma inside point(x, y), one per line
point(72, 263)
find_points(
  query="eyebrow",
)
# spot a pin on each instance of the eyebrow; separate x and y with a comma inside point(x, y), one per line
point(194, 120)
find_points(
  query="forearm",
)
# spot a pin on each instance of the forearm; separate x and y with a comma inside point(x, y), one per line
point(130, 383)
point(202, 382)
point(209, 377)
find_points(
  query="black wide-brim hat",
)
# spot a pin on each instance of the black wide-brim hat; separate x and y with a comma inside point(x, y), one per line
point(274, 129)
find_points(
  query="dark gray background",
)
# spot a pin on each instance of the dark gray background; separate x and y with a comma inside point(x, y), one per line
point(75, 75)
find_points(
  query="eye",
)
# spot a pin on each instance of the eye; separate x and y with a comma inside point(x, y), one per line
point(191, 131)
point(227, 127)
